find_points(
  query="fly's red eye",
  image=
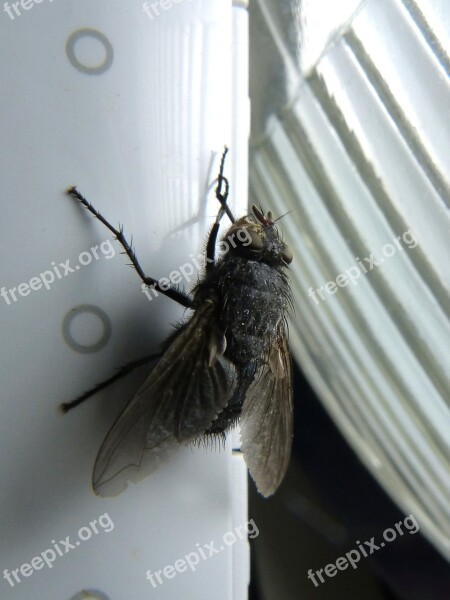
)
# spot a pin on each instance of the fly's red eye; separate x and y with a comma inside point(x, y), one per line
point(262, 218)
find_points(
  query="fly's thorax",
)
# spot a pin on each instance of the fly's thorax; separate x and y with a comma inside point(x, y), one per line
point(255, 300)
point(250, 287)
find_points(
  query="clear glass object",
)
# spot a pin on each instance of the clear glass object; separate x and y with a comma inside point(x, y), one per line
point(350, 133)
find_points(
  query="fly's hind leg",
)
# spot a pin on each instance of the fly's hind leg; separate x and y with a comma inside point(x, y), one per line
point(125, 370)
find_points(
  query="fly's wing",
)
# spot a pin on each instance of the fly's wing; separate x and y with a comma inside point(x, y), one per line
point(267, 419)
point(181, 397)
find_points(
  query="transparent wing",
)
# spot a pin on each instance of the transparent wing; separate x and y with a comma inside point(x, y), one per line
point(176, 403)
point(267, 419)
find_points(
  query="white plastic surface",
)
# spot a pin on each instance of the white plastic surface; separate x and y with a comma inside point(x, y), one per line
point(135, 111)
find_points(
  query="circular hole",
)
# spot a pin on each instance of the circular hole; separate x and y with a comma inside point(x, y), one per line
point(86, 328)
point(89, 51)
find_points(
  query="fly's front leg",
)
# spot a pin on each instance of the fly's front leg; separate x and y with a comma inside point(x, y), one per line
point(172, 292)
point(222, 197)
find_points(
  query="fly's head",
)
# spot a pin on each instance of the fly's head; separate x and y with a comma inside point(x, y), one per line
point(256, 237)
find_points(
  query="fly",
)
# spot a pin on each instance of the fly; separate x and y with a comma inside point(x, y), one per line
point(228, 363)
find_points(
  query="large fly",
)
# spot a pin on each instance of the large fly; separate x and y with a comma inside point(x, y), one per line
point(229, 363)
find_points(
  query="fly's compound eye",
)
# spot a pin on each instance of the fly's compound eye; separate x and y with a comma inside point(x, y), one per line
point(253, 241)
point(287, 255)
point(245, 239)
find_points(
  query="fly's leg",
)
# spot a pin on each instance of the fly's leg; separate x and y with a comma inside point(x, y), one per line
point(125, 370)
point(222, 192)
point(222, 197)
point(172, 292)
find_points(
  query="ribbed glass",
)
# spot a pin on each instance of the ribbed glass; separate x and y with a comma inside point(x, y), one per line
point(357, 146)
